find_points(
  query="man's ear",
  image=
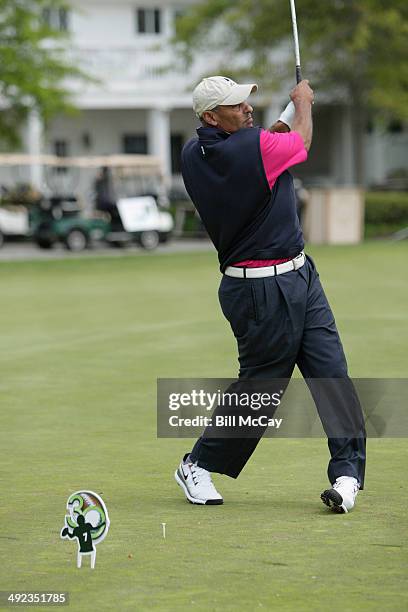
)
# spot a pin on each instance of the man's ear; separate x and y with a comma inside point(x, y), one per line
point(209, 118)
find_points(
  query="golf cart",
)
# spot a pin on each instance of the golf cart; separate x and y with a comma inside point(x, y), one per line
point(69, 214)
point(60, 219)
point(13, 223)
point(14, 218)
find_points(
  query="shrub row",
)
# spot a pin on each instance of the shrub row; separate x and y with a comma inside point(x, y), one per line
point(385, 212)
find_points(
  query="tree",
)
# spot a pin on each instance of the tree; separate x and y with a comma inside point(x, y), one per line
point(354, 50)
point(32, 66)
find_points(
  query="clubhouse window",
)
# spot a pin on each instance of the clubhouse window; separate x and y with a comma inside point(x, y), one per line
point(135, 144)
point(56, 18)
point(148, 21)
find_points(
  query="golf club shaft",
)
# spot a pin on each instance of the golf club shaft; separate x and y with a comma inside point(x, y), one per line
point(296, 39)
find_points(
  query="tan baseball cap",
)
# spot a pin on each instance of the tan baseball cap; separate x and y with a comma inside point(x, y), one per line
point(216, 90)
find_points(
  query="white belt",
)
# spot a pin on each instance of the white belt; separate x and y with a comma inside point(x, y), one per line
point(287, 266)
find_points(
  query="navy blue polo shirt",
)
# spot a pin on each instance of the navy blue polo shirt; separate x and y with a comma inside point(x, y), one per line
point(244, 194)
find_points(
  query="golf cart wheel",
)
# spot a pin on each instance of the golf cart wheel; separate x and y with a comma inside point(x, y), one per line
point(149, 240)
point(1, 240)
point(76, 240)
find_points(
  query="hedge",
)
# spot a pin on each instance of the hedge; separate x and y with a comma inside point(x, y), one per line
point(385, 212)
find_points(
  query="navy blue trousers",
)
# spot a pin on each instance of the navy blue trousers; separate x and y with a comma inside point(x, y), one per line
point(278, 322)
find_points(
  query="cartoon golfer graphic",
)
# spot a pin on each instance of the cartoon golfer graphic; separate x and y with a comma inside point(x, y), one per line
point(87, 521)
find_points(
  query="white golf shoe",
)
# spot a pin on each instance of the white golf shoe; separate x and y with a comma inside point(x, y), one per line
point(197, 484)
point(342, 496)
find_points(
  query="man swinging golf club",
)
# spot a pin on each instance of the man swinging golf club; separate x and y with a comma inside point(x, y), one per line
point(237, 177)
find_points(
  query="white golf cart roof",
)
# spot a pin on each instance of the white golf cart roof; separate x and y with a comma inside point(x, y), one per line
point(145, 164)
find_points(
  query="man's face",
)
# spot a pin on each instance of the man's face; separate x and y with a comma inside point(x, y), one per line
point(230, 118)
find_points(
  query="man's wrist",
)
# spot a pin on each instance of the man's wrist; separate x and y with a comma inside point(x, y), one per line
point(301, 104)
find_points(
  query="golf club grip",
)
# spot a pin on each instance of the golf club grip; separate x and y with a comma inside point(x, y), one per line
point(298, 74)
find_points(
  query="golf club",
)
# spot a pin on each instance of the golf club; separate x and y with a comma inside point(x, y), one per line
point(296, 39)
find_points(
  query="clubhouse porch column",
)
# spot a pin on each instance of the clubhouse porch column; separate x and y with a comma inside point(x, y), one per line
point(33, 145)
point(158, 137)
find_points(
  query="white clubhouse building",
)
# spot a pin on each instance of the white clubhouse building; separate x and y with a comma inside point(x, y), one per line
point(142, 102)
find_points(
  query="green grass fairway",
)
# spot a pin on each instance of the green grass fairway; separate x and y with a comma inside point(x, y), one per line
point(82, 343)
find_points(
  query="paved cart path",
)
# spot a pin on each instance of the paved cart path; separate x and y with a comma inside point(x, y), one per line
point(16, 251)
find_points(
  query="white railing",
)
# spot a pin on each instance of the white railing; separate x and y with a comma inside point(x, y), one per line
point(127, 64)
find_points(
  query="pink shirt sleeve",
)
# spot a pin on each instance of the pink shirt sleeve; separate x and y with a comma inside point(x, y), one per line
point(280, 151)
